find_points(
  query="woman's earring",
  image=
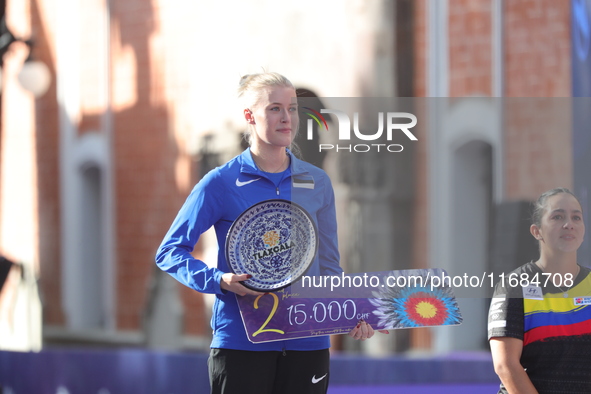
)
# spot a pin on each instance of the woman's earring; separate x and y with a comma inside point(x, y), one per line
point(248, 116)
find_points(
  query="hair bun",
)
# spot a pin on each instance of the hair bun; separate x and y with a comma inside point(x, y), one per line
point(254, 83)
point(243, 79)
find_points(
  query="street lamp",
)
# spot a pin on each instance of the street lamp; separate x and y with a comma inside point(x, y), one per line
point(34, 76)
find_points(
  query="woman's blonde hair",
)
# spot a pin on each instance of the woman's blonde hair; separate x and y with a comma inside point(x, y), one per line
point(251, 86)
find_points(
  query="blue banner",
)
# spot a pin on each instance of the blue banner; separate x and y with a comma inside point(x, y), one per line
point(581, 82)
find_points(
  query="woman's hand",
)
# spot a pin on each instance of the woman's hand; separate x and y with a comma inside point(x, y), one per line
point(231, 282)
point(363, 331)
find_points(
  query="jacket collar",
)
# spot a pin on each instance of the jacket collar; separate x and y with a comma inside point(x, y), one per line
point(248, 166)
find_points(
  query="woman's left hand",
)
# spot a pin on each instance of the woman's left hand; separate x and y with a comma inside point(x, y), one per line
point(363, 331)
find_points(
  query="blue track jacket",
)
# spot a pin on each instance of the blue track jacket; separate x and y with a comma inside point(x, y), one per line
point(217, 200)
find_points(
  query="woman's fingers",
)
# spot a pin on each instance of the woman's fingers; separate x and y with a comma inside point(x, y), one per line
point(240, 278)
point(364, 330)
point(231, 282)
point(361, 331)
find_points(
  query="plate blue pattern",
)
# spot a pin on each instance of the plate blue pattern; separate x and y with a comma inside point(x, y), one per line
point(275, 241)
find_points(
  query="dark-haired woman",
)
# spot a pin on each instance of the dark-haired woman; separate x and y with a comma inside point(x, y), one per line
point(539, 323)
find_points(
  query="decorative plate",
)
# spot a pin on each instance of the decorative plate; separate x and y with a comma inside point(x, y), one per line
point(275, 241)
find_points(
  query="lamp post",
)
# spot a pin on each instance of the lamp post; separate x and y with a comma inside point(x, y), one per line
point(34, 76)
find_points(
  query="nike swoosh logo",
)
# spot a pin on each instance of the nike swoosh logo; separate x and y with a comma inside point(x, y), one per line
point(314, 380)
point(240, 184)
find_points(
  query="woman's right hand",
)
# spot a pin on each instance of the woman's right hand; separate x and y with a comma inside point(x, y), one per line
point(231, 282)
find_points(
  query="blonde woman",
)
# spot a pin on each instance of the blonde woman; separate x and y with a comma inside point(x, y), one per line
point(263, 171)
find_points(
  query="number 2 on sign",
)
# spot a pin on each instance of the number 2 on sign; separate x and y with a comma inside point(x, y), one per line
point(273, 310)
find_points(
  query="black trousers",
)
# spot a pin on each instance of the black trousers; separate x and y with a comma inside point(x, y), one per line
point(268, 372)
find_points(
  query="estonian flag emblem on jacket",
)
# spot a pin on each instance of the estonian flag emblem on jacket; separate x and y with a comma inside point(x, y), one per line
point(304, 181)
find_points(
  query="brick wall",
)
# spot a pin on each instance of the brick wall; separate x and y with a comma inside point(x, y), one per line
point(537, 48)
point(470, 47)
point(537, 64)
point(153, 171)
point(48, 179)
point(421, 338)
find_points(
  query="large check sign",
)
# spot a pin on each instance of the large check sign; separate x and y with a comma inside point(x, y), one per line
point(289, 313)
